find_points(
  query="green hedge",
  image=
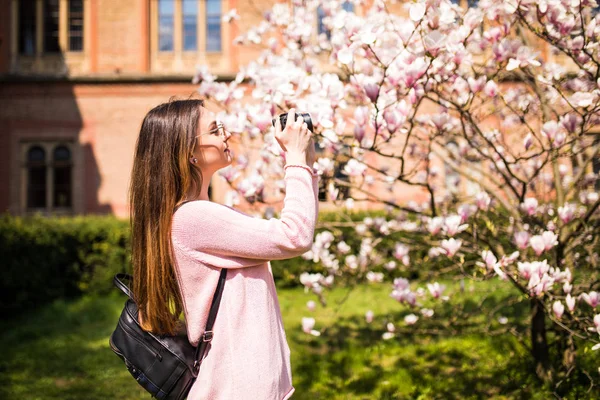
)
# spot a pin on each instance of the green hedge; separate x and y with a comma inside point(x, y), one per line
point(48, 258)
point(61, 257)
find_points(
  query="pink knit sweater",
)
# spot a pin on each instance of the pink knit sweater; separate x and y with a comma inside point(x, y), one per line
point(249, 357)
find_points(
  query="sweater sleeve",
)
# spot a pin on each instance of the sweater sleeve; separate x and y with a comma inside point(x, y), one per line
point(222, 237)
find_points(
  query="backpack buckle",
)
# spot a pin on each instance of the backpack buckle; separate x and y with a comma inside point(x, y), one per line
point(207, 336)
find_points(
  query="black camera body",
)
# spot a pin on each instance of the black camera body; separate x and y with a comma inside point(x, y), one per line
point(305, 117)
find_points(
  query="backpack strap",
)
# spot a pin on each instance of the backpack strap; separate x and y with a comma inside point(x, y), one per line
point(122, 286)
point(207, 336)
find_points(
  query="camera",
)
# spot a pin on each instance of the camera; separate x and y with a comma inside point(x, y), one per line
point(305, 117)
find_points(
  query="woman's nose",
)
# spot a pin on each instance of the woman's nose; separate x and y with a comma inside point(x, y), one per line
point(227, 134)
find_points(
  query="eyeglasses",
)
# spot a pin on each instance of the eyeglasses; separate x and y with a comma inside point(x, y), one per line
point(219, 130)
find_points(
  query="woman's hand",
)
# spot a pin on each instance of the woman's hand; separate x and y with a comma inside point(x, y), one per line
point(295, 139)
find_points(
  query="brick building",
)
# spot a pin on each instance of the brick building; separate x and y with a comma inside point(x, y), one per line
point(76, 79)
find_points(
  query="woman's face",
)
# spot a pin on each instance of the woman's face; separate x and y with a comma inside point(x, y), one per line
point(211, 149)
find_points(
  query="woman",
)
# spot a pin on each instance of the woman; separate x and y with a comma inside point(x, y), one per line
point(181, 241)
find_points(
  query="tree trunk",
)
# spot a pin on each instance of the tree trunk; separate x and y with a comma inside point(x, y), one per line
point(539, 343)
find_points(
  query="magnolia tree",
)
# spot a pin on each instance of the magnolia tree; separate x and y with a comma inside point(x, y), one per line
point(504, 95)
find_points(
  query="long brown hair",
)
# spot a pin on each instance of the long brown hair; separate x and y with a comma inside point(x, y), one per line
point(160, 179)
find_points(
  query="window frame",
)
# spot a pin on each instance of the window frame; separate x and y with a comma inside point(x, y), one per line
point(206, 25)
point(51, 165)
point(173, 26)
point(39, 39)
point(197, 27)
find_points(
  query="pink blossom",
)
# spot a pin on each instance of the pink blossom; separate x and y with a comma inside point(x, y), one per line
point(491, 89)
point(435, 252)
point(566, 213)
point(401, 253)
point(452, 225)
point(311, 305)
point(440, 121)
point(401, 284)
point(345, 56)
point(506, 261)
point(390, 265)
point(524, 58)
point(570, 122)
point(592, 298)
point(427, 312)
point(451, 246)
point(582, 99)
point(597, 322)
point(558, 308)
point(392, 119)
point(570, 302)
point(310, 280)
point(232, 198)
point(410, 319)
point(537, 244)
point(522, 239)
point(525, 270)
point(489, 258)
point(465, 211)
point(559, 139)
point(550, 240)
point(374, 276)
point(354, 168)
point(232, 15)
point(483, 200)
point(359, 133)
point(343, 247)
point(308, 325)
point(251, 187)
point(369, 316)
point(538, 285)
point(404, 108)
point(372, 91)
point(476, 85)
point(229, 173)
point(436, 289)
point(361, 115)
point(404, 296)
point(413, 73)
point(530, 205)
point(324, 166)
point(550, 129)
point(528, 141)
point(417, 11)
point(434, 225)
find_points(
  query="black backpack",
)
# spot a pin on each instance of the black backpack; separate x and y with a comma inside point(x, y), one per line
point(166, 366)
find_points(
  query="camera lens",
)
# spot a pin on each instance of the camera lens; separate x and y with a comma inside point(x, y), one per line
point(305, 117)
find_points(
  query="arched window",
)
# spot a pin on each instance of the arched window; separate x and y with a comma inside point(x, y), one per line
point(62, 181)
point(36, 177)
point(48, 177)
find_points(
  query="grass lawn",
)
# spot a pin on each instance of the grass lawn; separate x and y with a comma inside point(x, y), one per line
point(61, 351)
